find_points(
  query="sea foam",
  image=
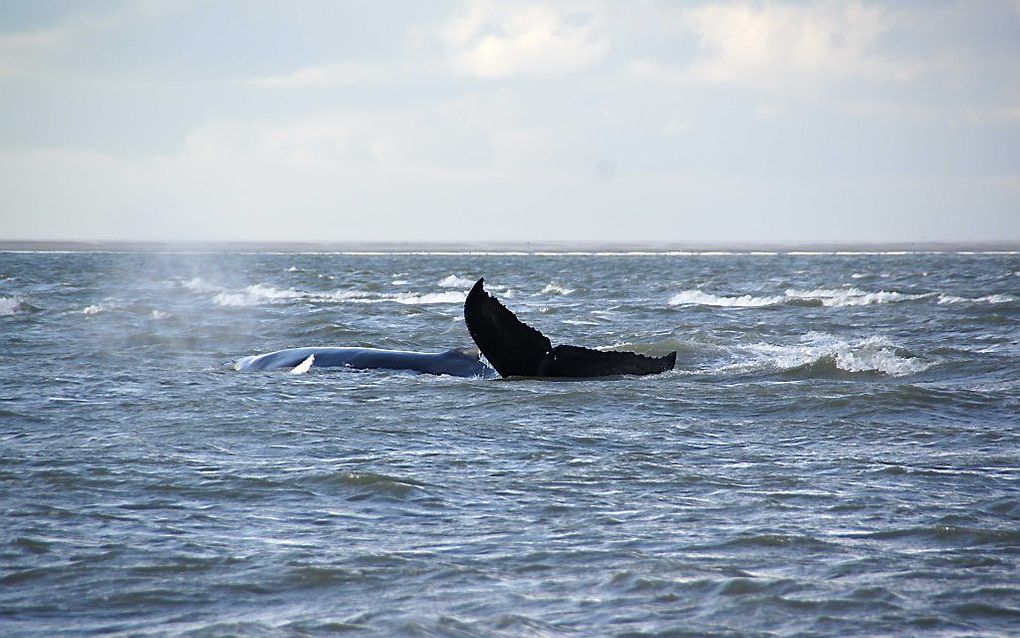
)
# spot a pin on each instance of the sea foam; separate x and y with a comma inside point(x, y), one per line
point(9, 305)
point(822, 352)
point(556, 289)
point(821, 296)
point(454, 281)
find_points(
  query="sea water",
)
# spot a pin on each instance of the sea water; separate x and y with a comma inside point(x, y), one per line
point(836, 453)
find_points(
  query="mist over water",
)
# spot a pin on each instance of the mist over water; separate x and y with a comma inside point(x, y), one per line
point(836, 452)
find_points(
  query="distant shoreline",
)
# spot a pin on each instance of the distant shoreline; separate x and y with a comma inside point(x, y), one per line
point(510, 247)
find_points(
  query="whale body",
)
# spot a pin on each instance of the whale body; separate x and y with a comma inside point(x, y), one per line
point(458, 362)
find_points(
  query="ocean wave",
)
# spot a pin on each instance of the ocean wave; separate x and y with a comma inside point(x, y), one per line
point(554, 288)
point(991, 299)
point(9, 305)
point(853, 296)
point(819, 354)
point(454, 281)
point(95, 309)
point(996, 299)
point(821, 296)
point(197, 284)
point(255, 294)
point(457, 297)
point(701, 298)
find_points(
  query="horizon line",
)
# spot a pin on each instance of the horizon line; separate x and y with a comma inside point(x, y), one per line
point(579, 247)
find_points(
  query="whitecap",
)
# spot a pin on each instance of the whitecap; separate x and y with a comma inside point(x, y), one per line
point(871, 354)
point(946, 299)
point(454, 281)
point(255, 294)
point(346, 295)
point(95, 309)
point(9, 305)
point(197, 284)
point(853, 296)
point(701, 298)
point(876, 354)
point(430, 298)
point(554, 288)
point(996, 299)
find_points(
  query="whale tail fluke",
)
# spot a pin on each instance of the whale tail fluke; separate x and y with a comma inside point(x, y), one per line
point(514, 348)
point(511, 346)
point(575, 361)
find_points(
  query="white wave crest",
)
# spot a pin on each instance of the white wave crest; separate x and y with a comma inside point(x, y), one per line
point(95, 309)
point(852, 296)
point(9, 305)
point(871, 354)
point(701, 298)
point(876, 355)
point(996, 299)
point(260, 293)
point(453, 281)
point(824, 296)
point(947, 299)
point(255, 294)
point(198, 284)
point(428, 298)
point(554, 288)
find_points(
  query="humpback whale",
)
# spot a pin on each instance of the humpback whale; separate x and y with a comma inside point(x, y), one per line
point(458, 362)
point(511, 346)
point(514, 348)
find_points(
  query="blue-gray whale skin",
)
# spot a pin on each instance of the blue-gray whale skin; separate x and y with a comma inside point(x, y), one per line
point(458, 362)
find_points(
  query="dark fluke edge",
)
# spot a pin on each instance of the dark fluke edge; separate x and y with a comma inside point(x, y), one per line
point(516, 349)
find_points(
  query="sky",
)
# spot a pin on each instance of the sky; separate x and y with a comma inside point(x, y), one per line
point(510, 121)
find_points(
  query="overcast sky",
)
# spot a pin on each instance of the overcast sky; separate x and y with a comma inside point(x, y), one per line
point(452, 121)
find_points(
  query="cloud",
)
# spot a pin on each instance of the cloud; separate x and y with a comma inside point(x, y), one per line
point(25, 52)
point(468, 136)
point(500, 40)
point(56, 52)
point(785, 46)
point(337, 74)
point(748, 44)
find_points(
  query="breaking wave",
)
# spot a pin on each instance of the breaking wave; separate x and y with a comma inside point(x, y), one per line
point(198, 284)
point(453, 281)
point(95, 309)
point(821, 353)
point(701, 298)
point(556, 289)
point(257, 294)
point(993, 299)
point(820, 296)
point(253, 295)
point(9, 305)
